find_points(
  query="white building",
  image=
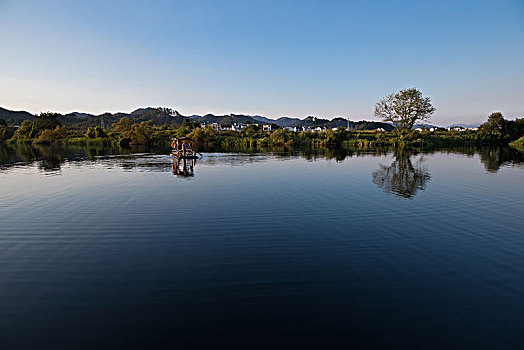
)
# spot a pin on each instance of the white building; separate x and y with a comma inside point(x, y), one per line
point(266, 127)
point(214, 126)
point(238, 127)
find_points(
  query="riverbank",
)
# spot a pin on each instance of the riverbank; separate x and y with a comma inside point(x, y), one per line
point(340, 138)
point(47, 129)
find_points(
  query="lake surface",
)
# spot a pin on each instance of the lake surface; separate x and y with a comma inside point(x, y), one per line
point(104, 248)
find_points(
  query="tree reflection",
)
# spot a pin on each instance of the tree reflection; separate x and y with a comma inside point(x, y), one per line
point(403, 178)
point(49, 159)
point(494, 158)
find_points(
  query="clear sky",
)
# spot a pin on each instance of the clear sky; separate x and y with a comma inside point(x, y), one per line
point(274, 58)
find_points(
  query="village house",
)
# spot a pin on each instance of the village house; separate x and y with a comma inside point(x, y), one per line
point(238, 127)
point(214, 126)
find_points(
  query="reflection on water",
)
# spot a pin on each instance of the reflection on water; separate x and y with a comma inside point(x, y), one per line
point(494, 158)
point(184, 167)
point(49, 159)
point(285, 248)
point(403, 177)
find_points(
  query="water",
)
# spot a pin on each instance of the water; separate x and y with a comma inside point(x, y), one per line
point(101, 248)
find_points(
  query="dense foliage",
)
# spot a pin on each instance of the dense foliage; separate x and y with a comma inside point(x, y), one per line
point(498, 128)
point(47, 128)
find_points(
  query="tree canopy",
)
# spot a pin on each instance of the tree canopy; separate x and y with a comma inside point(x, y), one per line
point(495, 124)
point(499, 128)
point(47, 121)
point(141, 133)
point(124, 126)
point(95, 132)
point(404, 108)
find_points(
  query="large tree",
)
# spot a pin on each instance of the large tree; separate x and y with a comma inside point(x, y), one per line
point(404, 108)
point(499, 128)
point(495, 124)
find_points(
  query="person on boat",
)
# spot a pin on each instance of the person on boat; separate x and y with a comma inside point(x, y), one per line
point(184, 147)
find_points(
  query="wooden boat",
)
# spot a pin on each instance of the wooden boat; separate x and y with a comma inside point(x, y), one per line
point(183, 148)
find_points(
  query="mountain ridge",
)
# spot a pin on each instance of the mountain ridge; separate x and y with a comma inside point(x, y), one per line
point(160, 116)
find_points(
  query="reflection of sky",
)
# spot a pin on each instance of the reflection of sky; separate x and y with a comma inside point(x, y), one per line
point(289, 239)
point(262, 187)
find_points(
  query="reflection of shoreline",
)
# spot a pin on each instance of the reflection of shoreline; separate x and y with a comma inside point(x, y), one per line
point(402, 178)
point(494, 158)
point(49, 159)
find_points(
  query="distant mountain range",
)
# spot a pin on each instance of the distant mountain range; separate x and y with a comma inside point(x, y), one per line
point(160, 116)
point(467, 126)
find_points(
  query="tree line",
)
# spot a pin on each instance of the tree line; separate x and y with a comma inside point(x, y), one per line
point(401, 109)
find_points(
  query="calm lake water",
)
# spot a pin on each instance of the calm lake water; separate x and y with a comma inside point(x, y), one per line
point(104, 248)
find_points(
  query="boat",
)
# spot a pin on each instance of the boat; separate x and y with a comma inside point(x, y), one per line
point(182, 148)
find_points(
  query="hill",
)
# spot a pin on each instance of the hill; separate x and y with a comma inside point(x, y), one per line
point(227, 120)
point(467, 126)
point(262, 119)
point(160, 116)
point(286, 121)
point(15, 117)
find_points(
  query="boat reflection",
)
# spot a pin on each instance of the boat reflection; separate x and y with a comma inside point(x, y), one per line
point(184, 167)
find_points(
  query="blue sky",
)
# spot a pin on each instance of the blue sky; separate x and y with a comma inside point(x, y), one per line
point(275, 58)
